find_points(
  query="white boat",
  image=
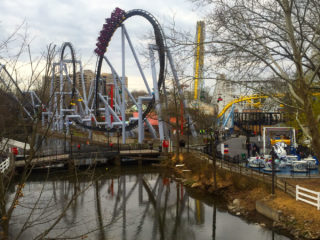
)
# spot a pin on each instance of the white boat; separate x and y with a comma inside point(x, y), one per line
point(311, 162)
point(283, 164)
point(256, 162)
point(290, 159)
point(268, 167)
point(299, 166)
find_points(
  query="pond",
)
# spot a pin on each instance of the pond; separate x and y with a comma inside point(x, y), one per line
point(128, 204)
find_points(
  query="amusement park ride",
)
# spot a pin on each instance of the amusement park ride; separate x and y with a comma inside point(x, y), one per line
point(71, 102)
point(95, 111)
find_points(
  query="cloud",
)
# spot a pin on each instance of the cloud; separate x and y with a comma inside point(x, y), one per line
point(80, 21)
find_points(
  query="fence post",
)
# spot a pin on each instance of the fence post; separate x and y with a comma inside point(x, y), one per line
point(297, 192)
point(285, 186)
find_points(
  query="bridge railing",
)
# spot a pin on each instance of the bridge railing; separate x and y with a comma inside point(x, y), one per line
point(4, 165)
point(81, 148)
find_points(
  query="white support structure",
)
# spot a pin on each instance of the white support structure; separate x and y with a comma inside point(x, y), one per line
point(136, 59)
point(156, 92)
point(308, 196)
point(123, 80)
point(140, 120)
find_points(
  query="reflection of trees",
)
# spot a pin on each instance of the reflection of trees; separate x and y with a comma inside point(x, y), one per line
point(68, 189)
point(99, 214)
point(166, 213)
point(214, 220)
point(167, 224)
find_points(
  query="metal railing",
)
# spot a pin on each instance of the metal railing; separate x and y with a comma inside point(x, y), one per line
point(4, 165)
point(237, 164)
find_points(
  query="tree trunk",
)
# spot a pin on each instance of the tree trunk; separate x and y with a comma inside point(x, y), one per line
point(4, 232)
point(313, 128)
point(214, 160)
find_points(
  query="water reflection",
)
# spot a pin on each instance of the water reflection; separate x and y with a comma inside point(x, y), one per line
point(128, 207)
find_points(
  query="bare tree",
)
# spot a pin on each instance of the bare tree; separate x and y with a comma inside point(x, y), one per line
point(276, 40)
point(39, 208)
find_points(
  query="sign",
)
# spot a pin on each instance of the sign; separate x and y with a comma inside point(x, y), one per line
point(165, 143)
point(14, 150)
point(224, 148)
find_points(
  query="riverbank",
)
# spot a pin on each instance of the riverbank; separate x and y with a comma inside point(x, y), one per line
point(296, 219)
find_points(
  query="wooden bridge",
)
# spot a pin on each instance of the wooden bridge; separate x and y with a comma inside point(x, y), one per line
point(87, 158)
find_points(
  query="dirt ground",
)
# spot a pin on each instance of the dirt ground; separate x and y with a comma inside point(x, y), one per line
point(312, 183)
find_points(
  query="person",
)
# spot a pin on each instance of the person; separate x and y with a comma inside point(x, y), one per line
point(258, 149)
point(254, 150)
point(273, 154)
point(248, 146)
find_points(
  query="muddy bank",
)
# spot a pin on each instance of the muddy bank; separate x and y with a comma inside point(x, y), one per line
point(241, 194)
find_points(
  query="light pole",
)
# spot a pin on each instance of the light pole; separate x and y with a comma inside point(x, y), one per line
point(108, 138)
point(65, 140)
point(273, 157)
point(118, 131)
point(71, 142)
point(188, 133)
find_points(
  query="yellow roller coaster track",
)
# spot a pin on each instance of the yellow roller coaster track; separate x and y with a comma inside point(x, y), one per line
point(241, 99)
point(248, 98)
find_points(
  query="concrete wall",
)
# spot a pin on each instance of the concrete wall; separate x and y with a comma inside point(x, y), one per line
point(267, 211)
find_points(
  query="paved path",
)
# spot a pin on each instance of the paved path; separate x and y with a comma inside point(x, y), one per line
point(44, 160)
point(237, 145)
point(61, 158)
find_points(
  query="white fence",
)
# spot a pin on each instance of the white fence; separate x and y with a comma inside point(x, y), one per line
point(4, 165)
point(308, 196)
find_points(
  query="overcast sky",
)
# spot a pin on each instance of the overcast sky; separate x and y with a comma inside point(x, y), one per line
point(79, 21)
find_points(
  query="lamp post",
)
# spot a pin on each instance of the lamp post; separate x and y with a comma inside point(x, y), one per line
point(273, 157)
point(65, 140)
point(118, 131)
point(188, 134)
point(71, 133)
point(108, 137)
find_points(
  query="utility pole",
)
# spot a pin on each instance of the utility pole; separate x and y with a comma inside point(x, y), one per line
point(118, 131)
point(273, 156)
point(188, 135)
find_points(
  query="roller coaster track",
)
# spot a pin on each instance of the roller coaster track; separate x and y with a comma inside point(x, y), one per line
point(241, 99)
point(248, 98)
point(74, 76)
point(112, 24)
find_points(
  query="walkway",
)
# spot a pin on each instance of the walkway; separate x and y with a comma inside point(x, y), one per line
point(78, 155)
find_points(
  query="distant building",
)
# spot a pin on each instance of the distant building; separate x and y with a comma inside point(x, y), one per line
point(88, 77)
point(224, 93)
